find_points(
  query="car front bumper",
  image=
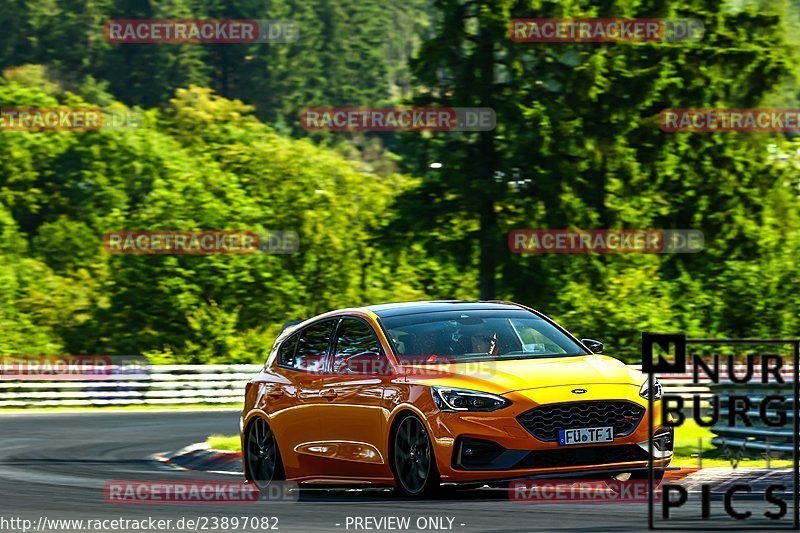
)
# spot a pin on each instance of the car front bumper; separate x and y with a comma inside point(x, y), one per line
point(486, 446)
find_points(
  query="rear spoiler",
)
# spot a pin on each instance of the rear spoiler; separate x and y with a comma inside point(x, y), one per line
point(290, 324)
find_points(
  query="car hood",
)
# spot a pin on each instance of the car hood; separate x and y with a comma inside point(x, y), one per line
point(502, 377)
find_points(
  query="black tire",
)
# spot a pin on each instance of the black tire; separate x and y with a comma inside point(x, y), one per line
point(261, 455)
point(412, 459)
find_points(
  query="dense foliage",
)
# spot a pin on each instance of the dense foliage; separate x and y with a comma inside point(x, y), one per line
point(577, 145)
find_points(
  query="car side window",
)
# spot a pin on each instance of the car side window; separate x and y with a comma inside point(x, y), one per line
point(358, 350)
point(286, 351)
point(312, 346)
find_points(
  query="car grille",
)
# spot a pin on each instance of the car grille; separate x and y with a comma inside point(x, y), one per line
point(583, 456)
point(545, 421)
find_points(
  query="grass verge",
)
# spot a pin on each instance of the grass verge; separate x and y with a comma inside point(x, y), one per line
point(225, 442)
point(692, 441)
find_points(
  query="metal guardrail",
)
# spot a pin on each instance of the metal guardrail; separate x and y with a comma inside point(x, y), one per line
point(733, 435)
point(759, 437)
point(680, 384)
point(738, 439)
point(165, 385)
point(159, 385)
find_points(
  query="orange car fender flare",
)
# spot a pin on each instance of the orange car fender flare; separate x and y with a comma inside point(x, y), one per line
point(400, 409)
point(253, 413)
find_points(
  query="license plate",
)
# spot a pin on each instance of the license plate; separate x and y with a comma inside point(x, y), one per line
point(572, 437)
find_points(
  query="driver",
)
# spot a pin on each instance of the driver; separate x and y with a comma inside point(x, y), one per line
point(484, 344)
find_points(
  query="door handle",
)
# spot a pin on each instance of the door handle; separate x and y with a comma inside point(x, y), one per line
point(329, 394)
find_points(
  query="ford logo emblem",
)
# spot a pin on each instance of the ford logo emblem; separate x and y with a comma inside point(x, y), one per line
point(578, 391)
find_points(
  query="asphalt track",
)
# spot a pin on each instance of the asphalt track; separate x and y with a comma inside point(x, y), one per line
point(56, 465)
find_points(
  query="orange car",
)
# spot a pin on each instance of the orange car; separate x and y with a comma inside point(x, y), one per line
point(413, 395)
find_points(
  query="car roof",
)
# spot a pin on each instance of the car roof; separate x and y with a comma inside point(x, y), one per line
point(410, 308)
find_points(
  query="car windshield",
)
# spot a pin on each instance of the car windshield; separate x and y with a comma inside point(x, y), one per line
point(475, 335)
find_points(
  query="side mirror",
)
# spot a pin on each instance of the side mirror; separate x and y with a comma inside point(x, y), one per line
point(369, 363)
point(593, 345)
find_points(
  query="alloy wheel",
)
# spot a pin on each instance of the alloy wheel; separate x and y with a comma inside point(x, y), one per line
point(263, 460)
point(412, 456)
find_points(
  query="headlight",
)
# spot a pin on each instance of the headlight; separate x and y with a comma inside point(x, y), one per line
point(466, 400)
point(645, 390)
